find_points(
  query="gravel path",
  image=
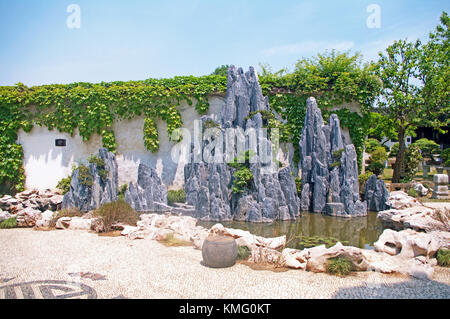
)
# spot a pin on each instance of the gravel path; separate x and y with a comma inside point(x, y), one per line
point(148, 269)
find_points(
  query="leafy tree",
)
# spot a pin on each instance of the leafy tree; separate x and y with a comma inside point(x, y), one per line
point(371, 144)
point(400, 98)
point(427, 147)
point(435, 73)
point(221, 70)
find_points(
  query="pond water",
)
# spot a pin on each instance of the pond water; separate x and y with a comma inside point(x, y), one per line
point(313, 229)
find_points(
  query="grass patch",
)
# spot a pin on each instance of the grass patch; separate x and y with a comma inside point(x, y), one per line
point(171, 241)
point(243, 253)
point(8, 223)
point(117, 212)
point(176, 196)
point(443, 257)
point(340, 266)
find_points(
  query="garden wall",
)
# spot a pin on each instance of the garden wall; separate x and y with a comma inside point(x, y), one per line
point(45, 164)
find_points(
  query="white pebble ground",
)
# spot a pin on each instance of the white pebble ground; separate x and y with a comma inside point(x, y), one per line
point(148, 269)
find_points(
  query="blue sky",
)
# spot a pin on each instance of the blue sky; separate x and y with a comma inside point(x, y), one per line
point(137, 39)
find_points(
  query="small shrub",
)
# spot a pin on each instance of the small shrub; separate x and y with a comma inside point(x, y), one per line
point(337, 154)
point(339, 266)
point(241, 179)
point(443, 257)
point(243, 253)
point(176, 196)
point(445, 155)
point(412, 192)
point(428, 147)
point(298, 185)
point(100, 164)
point(117, 212)
point(371, 144)
point(8, 223)
point(64, 184)
point(376, 167)
point(84, 175)
point(122, 191)
point(362, 178)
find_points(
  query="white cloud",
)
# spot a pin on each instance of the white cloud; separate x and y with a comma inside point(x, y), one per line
point(308, 47)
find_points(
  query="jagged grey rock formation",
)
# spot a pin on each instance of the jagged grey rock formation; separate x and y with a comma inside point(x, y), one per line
point(271, 194)
point(376, 194)
point(148, 194)
point(103, 190)
point(329, 167)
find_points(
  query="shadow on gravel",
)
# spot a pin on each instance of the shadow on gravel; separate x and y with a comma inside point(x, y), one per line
point(413, 288)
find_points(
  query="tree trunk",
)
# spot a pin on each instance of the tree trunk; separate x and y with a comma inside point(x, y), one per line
point(399, 173)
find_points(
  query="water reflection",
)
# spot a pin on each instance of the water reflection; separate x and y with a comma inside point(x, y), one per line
point(360, 232)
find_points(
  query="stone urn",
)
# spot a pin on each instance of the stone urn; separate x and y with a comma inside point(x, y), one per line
point(219, 251)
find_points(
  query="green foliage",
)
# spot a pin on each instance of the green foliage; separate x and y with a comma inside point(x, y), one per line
point(412, 161)
point(8, 223)
point(415, 88)
point(64, 184)
point(298, 185)
point(394, 150)
point(176, 196)
point(84, 176)
point(122, 190)
point(221, 70)
point(100, 164)
point(93, 108)
point(117, 212)
point(339, 266)
point(434, 68)
point(371, 144)
point(362, 179)
point(445, 155)
point(428, 147)
point(241, 179)
point(210, 124)
point(243, 253)
point(443, 257)
point(377, 158)
point(412, 192)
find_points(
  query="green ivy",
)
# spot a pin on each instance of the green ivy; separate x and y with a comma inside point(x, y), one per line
point(93, 108)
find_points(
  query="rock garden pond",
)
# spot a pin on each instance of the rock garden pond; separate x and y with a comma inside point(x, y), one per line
point(312, 229)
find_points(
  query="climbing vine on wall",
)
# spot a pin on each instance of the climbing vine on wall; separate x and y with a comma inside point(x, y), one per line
point(93, 108)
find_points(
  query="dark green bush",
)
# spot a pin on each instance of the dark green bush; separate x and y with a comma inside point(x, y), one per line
point(8, 223)
point(376, 168)
point(339, 266)
point(445, 155)
point(117, 212)
point(122, 191)
point(64, 184)
point(176, 196)
point(243, 253)
point(443, 257)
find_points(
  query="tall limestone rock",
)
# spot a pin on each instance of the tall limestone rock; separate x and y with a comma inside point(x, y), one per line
point(100, 186)
point(329, 167)
point(148, 194)
point(271, 193)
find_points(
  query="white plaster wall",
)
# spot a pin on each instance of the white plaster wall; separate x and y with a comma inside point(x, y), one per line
point(45, 164)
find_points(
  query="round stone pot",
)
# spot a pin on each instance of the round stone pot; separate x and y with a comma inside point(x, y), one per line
point(219, 251)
